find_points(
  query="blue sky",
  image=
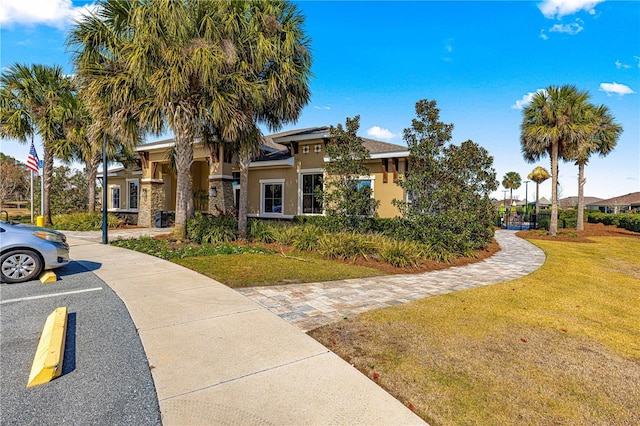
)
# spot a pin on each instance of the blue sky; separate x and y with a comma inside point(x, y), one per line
point(479, 60)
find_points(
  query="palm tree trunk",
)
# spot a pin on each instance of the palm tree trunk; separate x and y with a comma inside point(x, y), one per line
point(244, 160)
point(581, 182)
point(553, 225)
point(48, 178)
point(537, 199)
point(184, 160)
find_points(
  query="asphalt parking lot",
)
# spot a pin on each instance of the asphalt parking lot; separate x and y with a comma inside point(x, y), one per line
point(105, 377)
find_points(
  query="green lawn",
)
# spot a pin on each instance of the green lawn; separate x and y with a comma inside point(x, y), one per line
point(560, 346)
point(247, 270)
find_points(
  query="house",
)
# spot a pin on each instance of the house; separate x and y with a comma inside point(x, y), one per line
point(621, 204)
point(572, 202)
point(283, 179)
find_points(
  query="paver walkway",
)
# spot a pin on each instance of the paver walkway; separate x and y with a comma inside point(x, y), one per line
point(312, 305)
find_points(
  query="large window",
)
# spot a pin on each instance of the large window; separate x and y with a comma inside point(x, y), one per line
point(311, 187)
point(133, 194)
point(272, 195)
point(115, 196)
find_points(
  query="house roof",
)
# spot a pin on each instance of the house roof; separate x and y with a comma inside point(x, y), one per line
point(278, 141)
point(632, 199)
point(378, 147)
point(571, 202)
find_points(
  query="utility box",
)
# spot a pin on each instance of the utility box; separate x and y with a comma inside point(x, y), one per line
point(161, 219)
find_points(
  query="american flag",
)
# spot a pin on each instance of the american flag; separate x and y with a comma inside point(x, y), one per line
point(32, 159)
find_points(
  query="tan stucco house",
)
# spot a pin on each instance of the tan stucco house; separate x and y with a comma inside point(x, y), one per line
point(282, 180)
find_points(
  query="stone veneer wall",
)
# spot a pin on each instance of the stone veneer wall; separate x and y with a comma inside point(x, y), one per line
point(223, 201)
point(150, 204)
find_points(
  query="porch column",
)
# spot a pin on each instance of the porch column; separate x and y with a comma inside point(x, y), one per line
point(221, 195)
point(152, 199)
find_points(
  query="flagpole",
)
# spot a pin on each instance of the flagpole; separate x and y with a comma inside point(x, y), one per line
point(31, 195)
point(42, 189)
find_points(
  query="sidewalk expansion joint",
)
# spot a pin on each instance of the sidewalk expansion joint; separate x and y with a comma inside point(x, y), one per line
point(259, 308)
point(255, 373)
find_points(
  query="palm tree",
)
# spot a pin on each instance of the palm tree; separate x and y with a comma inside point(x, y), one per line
point(83, 141)
point(281, 65)
point(511, 181)
point(30, 98)
point(601, 140)
point(551, 124)
point(201, 68)
point(538, 175)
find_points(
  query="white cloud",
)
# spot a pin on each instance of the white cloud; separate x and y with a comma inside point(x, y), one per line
point(621, 65)
point(379, 132)
point(560, 8)
point(324, 108)
point(543, 35)
point(526, 100)
point(571, 29)
point(619, 89)
point(55, 13)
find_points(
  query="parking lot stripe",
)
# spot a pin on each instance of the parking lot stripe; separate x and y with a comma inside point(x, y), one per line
point(44, 296)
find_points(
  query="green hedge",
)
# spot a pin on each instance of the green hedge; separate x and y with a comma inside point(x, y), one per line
point(82, 221)
point(630, 221)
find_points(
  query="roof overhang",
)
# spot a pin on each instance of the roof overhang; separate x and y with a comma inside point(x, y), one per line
point(380, 155)
point(287, 162)
point(300, 138)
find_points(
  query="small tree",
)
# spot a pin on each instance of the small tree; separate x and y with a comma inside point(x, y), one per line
point(14, 180)
point(511, 181)
point(538, 175)
point(347, 200)
point(447, 185)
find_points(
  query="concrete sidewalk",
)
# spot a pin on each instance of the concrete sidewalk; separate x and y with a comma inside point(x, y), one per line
point(219, 358)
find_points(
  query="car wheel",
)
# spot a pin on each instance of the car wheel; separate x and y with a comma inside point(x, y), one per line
point(20, 265)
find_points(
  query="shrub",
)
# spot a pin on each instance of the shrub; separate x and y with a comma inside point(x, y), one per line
point(82, 221)
point(630, 222)
point(307, 238)
point(169, 250)
point(345, 245)
point(284, 234)
point(401, 253)
point(261, 231)
point(208, 229)
point(605, 218)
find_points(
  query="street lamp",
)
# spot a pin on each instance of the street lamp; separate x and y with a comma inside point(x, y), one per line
point(526, 198)
point(504, 203)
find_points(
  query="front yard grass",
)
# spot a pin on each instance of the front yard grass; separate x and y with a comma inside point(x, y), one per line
point(560, 346)
point(247, 270)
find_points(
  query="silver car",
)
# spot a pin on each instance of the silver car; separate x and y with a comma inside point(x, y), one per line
point(26, 250)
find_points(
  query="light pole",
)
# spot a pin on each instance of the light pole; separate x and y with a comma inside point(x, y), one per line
point(506, 209)
point(105, 238)
point(526, 198)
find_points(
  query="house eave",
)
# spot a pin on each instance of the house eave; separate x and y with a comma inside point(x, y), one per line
point(287, 162)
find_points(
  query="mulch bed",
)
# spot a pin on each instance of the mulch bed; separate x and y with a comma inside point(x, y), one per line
point(590, 230)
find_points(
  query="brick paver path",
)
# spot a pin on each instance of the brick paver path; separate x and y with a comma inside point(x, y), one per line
point(312, 305)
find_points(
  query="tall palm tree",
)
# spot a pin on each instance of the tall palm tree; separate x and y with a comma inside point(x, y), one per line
point(84, 141)
point(551, 123)
point(538, 175)
point(198, 67)
point(281, 65)
point(30, 98)
point(601, 140)
point(511, 181)
point(164, 62)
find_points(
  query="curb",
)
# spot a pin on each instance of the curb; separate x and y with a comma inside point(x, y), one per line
point(47, 364)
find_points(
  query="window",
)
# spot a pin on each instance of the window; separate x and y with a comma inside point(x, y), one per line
point(272, 194)
point(115, 196)
point(311, 186)
point(133, 194)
